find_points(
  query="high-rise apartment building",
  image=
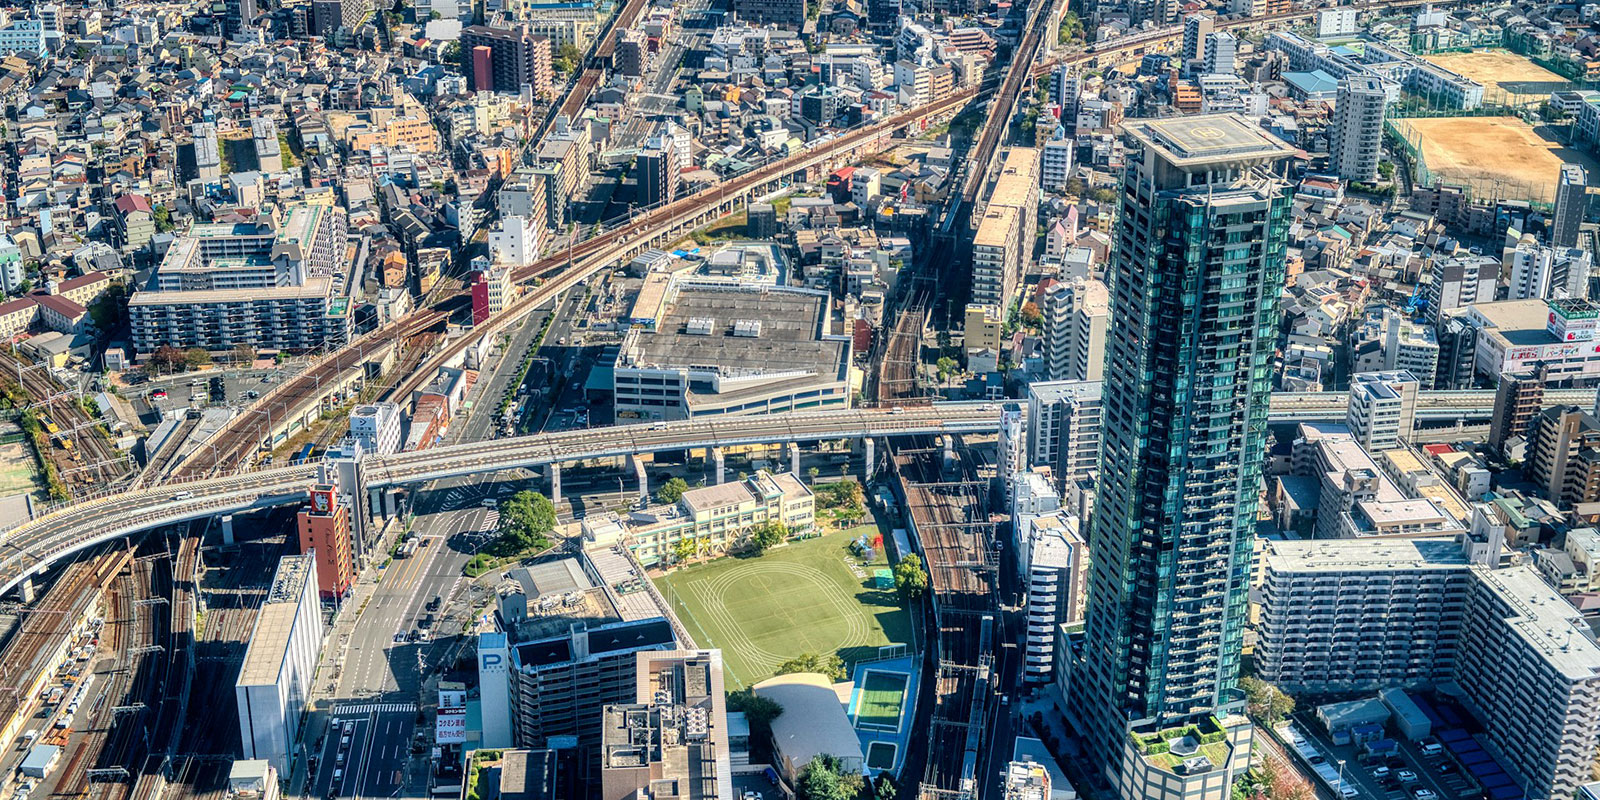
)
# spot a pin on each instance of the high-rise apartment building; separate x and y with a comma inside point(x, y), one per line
point(238, 15)
point(517, 239)
point(1356, 136)
point(1063, 428)
point(1572, 202)
point(1382, 408)
point(1460, 281)
point(1222, 54)
point(1196, 28)
point(1351, 615)
point(517, 57)
point(1076, 316)
point(656, 170)
point(788, 13)
point(1004, 239)
point(1517, 399)
point(1563, 459)
point(559, 685)
point(1534, 271)
point(1197, 270)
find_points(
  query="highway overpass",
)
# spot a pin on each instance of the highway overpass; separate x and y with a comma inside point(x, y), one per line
point(30, 546)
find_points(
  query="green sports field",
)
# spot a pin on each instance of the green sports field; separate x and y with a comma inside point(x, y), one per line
point(802, 597)
point(882, 695)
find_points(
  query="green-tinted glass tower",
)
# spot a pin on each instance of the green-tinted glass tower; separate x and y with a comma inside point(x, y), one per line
point(1198, 267)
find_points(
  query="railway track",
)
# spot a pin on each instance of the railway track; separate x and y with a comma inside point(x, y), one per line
point(163, 461)
point(100, 464)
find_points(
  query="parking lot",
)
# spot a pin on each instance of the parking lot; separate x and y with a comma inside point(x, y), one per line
point(1404, 774)
point(193, 390)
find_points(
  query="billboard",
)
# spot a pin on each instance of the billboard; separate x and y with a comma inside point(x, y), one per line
point(450, 727)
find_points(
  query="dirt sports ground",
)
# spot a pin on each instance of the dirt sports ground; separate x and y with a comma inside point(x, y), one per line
point(1496, 157)
point(1507, 78)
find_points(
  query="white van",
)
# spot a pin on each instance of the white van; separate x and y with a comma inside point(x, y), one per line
point(1431, 749)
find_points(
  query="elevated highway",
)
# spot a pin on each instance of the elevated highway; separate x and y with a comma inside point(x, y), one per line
point(30, 546)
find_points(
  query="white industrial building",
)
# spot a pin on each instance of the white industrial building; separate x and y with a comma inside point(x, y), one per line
point(377, 427)
point(1382, 408)
point(275, 678)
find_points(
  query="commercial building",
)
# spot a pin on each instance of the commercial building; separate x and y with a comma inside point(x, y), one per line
point(1185, 412)
point(710, 348)
point(1005, 235)
point(983, 328)
point(1555, 336)
point(1382, 408)
point(1356, 137)
point(717, 518)
point(223, 285)
point(672, 740)
point(516, 58)
point(1343, 615)
point(1572, 203)
point(1063, 428)
point(1076, 315)
point(324, 529)
point(275, 678)
point(377, 427)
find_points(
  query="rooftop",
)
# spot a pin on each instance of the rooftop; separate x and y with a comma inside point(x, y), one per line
point(1346, 555)
point(1545, 621)
point(737, 332)
point(269, 642)
point(1207, 138)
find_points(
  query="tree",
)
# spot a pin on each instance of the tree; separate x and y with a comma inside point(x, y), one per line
point(813, 472)
point(106, 311)
point(163, 218)
point(244, 354)
point(1264, 701)
point(767, 534)
point(196, 357)
point(947, 367)
point(1031, 316)
point(1103, 196)
point(685, 549)
point(672, 491)
point(843, 494)
point(826, 778)
point(567, 58)
point(829, 665)
point(167, 358)
point(884, 788)
point(910, 579)
point(758, 711)
point(526, 520)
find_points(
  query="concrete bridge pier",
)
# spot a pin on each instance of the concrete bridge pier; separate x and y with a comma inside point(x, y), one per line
point(644, 479)
point(25, 591)
point(555, 484)
point(720, 463)
point(870, 447)
point(227, 530)
point(794, 457)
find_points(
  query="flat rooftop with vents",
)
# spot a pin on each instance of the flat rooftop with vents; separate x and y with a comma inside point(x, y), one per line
point(733, 349)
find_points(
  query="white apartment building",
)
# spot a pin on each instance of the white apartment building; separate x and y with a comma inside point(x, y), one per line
point(1055, 166)
point(1356, 136)
point(1063, 428)
point(377, 427)
point(1410, 347)
point(1382, 408)
point(1077, 314)
point(23, 36)
point(1222, 54)
point(1346, 616)
point(1056, 558)
point(1335, 22)
point(1460, 281)
point(1197, 30)
point(516, 240)
point(1546, 273)
point(865, 184)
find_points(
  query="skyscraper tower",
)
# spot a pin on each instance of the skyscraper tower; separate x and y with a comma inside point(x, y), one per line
point(1198, 267)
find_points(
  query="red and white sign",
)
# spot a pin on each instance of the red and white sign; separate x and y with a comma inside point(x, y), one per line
point(451, 726)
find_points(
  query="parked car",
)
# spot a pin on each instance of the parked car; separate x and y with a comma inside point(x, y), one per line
point(1407, 776)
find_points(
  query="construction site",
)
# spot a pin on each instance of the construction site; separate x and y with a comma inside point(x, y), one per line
point(946, 503)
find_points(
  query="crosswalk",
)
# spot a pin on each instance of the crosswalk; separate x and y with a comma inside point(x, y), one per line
point(375, 708)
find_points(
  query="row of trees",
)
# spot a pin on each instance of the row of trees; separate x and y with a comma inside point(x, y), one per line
point(170, 360)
